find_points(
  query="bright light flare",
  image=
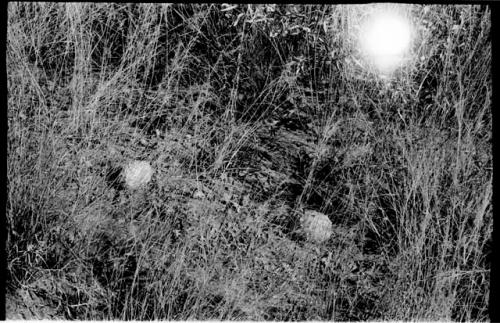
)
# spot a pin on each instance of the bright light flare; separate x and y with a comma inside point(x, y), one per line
point(385, 38)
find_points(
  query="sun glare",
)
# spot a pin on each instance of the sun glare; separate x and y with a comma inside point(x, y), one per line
point(385, 37)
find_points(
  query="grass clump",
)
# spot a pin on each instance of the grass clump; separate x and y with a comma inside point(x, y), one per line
point(250, 117)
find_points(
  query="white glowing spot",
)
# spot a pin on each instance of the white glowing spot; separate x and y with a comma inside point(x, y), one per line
point(385, 38)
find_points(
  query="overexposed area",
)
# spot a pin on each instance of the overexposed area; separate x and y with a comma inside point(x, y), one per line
point(248, 162)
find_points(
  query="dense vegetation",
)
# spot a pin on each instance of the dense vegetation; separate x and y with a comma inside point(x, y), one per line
point(250, 115)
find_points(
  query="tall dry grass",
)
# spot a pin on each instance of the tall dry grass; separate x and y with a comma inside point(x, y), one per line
point(249, 115)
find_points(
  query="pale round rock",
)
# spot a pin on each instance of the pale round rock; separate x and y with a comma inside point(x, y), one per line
point(137, 174)
point(317, 226)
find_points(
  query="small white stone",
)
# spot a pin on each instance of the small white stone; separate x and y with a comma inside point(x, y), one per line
point(317, 226)
point(137, 174)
